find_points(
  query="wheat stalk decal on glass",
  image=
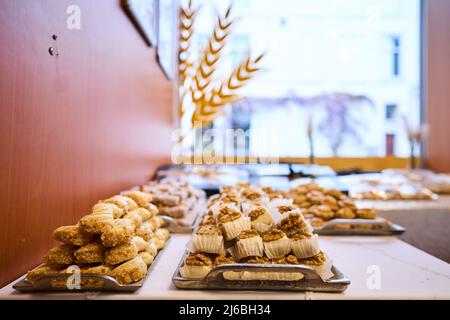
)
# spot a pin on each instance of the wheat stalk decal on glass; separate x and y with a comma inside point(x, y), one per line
point(201, 91)
point(207, 109)
point(187, 18)
point(209, 59)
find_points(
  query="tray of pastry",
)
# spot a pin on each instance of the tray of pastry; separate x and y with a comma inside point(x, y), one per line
point(179, 203)
point(111, 248)
point(332, 212)
point(377, 226)
point(261, 276)
point(386, 186)
point(66, 280)
point(252, 237)
point(180, 225)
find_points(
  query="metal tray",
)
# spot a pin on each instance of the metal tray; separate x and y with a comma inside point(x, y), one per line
point(107, 283)
point(379, 226)
point(310, 282)
point(185, 225)
point(179, 225)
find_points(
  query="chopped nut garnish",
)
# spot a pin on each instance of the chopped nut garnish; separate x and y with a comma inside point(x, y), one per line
point(251, 194)
point(228, 214)
point(246, 234)
point(260, 260)
point(208, 220)
point(198, 259)
point(272, 235)
point(316, 260)
point(301, 236)
point(209, 230)
point(223, 260)
point(293, 223)
point(230, 197)
point(257, 212)
point(289, 259)
point(284, 209)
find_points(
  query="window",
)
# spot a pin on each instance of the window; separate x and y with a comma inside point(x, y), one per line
point(340, 63)
point(391, 111)
point(395, 56)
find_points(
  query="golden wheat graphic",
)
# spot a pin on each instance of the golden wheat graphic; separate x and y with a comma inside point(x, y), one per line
point(187, 18)
point(210, 57)
point(212, 102)
point(198, 86)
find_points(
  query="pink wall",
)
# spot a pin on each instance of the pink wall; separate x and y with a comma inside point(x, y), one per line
point(74, 128)
point(438, 88)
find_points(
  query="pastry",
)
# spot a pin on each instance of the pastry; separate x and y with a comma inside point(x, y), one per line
point(345, 213)
point(321, 264)
point(107, 208)
point(227, 275)
point(165, 199)
point(134, 217)
point(196, 266)
point(159, 244)
point(152, 208)
point(96, 223)
point(122, 202)
point(157, 222)
point(72, 235)
point(60, 255)
point(141, 198)
point(130, 271)
point(232, 222)
point(140, 243)
point(179, 211)
point(252, 195)
point(208, 239)
point(144, 213)
point(261, 219)
point(162, 234)
point(119, 254)
point(316, 222)
point(145, 231)
point(43, 271)
point(99, 269)
point(219, 260)
point(366, 213)
point(146, 257)
point(151, 249)
point(208, 220)
point(285, 209)
point(305, 245)
point(231, 198)
point(289, 259)
point(276, 243)
point(286, 276)
point(249, 243)
point(121, 232)
point(90, 253)
point(322, 211)
point(294, 223)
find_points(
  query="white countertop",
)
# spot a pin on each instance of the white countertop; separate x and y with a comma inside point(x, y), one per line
point(441, 203)
point(405, 273)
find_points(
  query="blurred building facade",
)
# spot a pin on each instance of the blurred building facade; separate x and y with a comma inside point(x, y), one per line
point(321, 56)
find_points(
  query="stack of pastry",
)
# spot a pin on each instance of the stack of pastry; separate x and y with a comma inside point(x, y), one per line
point(119, 238)
point(174, 198)
point(319, 204)
point(248, 224)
